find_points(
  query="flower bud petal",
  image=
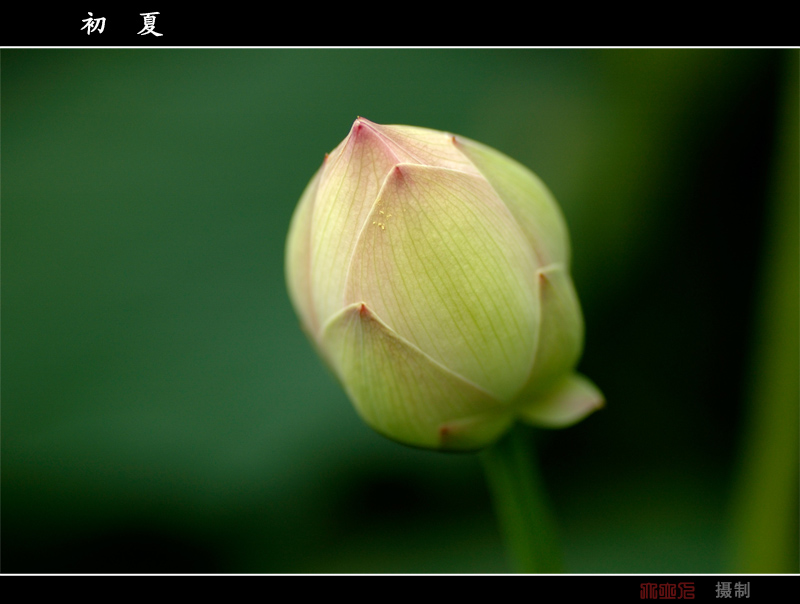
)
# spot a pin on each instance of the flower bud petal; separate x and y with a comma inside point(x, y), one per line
point(569, 401)
point(404, 394)
point(298, 258)
point(424, 147)
point(528, 199)
point(442, 261)
point(352, 176)
point(560, 330)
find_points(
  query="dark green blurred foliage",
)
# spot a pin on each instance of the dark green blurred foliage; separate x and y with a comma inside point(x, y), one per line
point(162, 411)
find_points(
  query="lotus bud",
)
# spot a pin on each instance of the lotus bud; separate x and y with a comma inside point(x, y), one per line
point(431, 273)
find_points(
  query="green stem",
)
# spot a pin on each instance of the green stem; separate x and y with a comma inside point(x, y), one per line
point(763, 536)
point(520, 504)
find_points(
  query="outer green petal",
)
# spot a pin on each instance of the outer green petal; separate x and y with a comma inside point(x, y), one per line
point(352, 176)
point(529, 200)
point(560, 329)
point(405, 395)
point(298, 259)
point(443, 262)
point(572, 399)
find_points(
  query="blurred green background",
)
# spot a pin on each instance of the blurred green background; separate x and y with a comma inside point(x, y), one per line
point(163, 412)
